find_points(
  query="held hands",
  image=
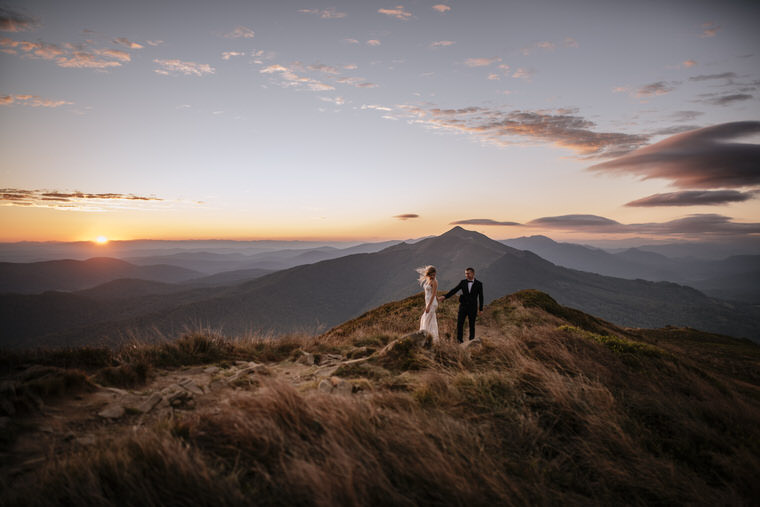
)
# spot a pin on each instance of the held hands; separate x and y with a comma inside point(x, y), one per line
point(440, 299)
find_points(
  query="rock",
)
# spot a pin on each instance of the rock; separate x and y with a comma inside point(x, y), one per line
point(85, 440)
point(249, 370)
point(190, 385)
point(261, 369)
point(336, 385)
point(344, 387)
point(325, 386)
point(7, 407)
point(148, 403)
point(8, 387)
point(211, 370)
point(175, 396)
point(306, 358)
point(116, 390)
point(112, 412)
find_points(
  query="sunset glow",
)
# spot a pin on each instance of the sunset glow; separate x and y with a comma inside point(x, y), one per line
point(101, 240)
point(369, 120)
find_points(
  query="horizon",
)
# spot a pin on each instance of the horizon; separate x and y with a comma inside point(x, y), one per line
point(585, 123)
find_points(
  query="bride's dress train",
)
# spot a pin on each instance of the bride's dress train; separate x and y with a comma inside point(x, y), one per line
point(428, 321)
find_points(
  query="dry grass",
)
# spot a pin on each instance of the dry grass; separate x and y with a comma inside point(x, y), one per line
point(555, 407)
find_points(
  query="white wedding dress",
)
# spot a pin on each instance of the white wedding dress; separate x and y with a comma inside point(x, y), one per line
point(428, 322)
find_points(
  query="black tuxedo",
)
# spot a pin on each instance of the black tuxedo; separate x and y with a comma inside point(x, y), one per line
point(470, 301)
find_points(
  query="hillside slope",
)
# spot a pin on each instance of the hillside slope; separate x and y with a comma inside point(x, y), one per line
point(549, 406)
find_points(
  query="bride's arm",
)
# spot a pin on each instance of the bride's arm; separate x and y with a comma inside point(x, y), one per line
point(434, 286)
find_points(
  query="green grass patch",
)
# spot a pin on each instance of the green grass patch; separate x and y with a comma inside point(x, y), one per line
point(617, 344)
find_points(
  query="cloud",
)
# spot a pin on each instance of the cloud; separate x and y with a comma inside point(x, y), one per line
point(442, 8)
point(176, 66)
point(240, 32)
point(68, 55)
point(85, 60)
point(725, 100)
point(43, 50)
point(329, 13)
point(373, 42)
point(398, 13)
point(229, 54)
point(484, 221)
point(709, 29)
point(675, 129)
point(686, 115)
point(351, 41)
point(72, 201)
point(703, 158)
point(406, 216)
point(442, 44)
point(116, 54)
point(707, 77)
point(569, 42)
point(652, 89)
point(127, 43)
point(573, 222)
point(481, 62)
point(697, 225)
point(291, 79)
point(376, 107)
point(154, 42)
point(544, 45)
point(689, 63)
point(561, 127)
point(522, 73)
point(693, 198)
point(325, 69)
point(12, 21)
point(31, 100)
point(338, 101)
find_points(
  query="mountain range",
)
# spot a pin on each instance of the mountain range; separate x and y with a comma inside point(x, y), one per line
point(315, 296)
point(735, 277)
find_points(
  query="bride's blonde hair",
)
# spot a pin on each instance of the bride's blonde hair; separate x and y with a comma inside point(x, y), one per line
point(425, 272)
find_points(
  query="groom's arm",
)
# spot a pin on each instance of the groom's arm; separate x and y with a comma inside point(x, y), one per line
point(452, 291)
point(480, 296)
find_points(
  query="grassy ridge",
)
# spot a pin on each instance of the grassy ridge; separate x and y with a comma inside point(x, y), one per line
point(554, 407)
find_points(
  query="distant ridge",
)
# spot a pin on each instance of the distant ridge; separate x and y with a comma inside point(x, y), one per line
point(317, 296)
point(69, 275)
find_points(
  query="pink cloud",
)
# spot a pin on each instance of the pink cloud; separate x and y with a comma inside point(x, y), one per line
point(398, 13)
point(176, 66)
point(240, 32)
point(709, 30)
point(481, 62)
point(329, 13)
point(442, 8)
point(32, 101)
point(127, 43)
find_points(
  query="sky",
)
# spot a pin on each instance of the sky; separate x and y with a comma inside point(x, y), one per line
point(379, 120)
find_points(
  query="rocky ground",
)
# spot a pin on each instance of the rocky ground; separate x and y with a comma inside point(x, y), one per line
point(58, 426)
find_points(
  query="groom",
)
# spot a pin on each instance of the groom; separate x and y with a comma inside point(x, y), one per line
point(470, 302)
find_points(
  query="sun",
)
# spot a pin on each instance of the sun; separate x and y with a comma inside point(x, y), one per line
point(101, 240)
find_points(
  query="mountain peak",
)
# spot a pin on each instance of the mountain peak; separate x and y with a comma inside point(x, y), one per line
point(460, 232)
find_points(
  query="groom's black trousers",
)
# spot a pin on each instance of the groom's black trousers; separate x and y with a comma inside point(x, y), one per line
point(470, 313)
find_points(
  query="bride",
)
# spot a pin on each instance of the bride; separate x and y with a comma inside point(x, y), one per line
point(428, 322)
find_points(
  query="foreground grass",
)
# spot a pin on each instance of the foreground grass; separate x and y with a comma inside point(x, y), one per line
point(555, 407)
